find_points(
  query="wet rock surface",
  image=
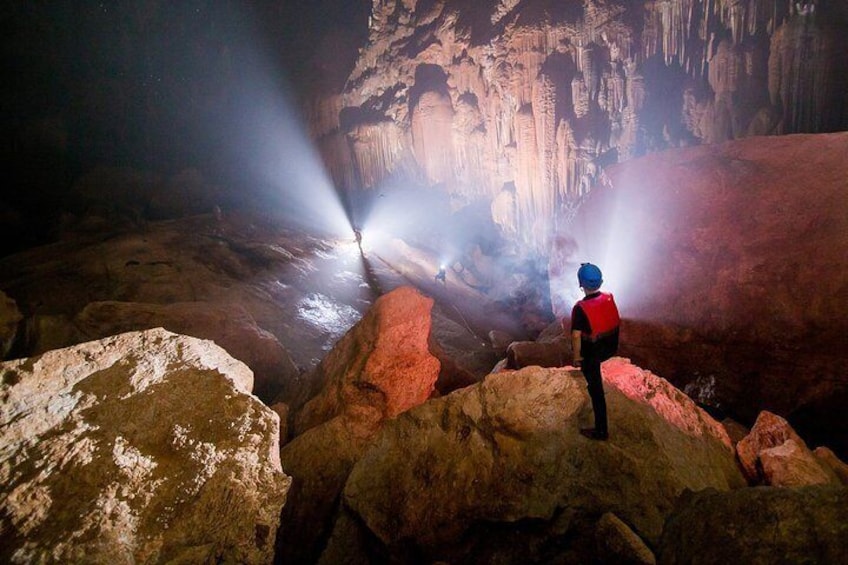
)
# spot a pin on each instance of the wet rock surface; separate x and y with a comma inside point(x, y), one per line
point(276, 298)
point(145, 446)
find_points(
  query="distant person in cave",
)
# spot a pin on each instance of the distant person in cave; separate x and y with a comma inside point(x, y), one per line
point(441, 275)
point(594, 338)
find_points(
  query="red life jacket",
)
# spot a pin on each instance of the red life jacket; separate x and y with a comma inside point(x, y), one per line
point(602, 314)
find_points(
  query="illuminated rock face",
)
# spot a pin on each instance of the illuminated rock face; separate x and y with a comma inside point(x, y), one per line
point(142, 447)
point(539, 96)
point(381, 367)
point(728, 265)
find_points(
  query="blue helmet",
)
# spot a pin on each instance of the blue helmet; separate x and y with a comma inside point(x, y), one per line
point(589, 276)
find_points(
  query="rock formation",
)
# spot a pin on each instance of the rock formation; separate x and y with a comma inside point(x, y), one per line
point(229, 325)
point(382, 365)
point(723, 255)
point(142, 447)
point(759, 525)
point(773, 454)
point(522, 103)
point(498, 471)
point(381, 368)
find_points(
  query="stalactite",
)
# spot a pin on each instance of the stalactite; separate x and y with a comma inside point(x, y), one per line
point(537, 101)
point(377, 149)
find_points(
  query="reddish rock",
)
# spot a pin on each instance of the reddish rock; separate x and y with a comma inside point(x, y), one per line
point(774, 454)
point(726, 266)
point(381, 367)
point(669, 402)
point(769, 431)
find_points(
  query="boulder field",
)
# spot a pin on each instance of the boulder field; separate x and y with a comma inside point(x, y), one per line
point(148, 446)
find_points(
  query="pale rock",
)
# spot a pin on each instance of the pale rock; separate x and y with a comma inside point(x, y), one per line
point(141, 447)
point(793, 465)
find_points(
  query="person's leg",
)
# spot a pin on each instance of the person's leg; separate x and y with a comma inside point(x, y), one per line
point(592, 373)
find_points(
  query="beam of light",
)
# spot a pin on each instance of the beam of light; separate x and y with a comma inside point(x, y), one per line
point(606, 233)
point(269, 143)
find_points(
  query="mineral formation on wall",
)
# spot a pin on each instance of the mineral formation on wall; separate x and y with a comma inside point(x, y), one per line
point(483, 99)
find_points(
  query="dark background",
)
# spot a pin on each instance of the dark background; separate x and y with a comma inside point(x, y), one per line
point(152, 85)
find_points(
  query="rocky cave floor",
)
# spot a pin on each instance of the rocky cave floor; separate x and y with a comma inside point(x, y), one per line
point(495, 471)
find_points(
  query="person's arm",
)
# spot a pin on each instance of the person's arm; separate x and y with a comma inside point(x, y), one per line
point(575, 347)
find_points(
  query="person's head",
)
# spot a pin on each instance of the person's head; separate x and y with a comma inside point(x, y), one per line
point(589, 277)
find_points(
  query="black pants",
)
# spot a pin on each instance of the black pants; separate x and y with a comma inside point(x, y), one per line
point(592, 372)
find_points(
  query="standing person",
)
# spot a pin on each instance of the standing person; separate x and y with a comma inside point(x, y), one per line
point(594, 338)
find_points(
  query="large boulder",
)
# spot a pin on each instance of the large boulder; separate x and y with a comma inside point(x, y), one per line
point(379, 369)
point(382, 364)
point(449, 477)
point(141, 447)
point(733, 257)
point(759, 525)
point(773, 454)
